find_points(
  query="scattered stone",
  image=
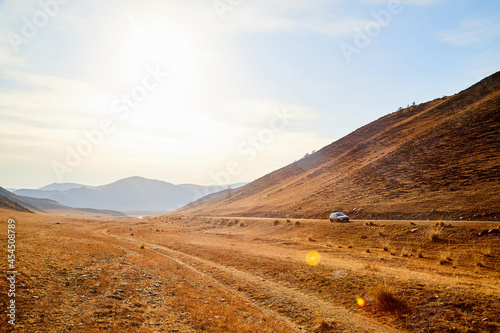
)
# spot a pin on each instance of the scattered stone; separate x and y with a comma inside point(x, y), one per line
point(413, 230)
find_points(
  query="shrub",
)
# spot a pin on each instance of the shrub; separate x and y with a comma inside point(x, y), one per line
point(276, 222)
point(386, 300)
point(444, 258)
point(143, 245)
point(435, 234)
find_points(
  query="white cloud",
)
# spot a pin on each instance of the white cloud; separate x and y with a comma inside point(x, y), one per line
point(471, 31)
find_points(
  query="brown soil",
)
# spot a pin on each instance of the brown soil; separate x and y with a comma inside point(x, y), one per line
point(184, 274)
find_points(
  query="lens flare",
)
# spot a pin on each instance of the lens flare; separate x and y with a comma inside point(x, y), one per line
point(360, 301)
point(313, 258)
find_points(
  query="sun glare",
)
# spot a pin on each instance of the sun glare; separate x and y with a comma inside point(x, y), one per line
point(165, 47)
point(313, 258)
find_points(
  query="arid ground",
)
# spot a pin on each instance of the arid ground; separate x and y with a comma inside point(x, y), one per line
point(207, 274)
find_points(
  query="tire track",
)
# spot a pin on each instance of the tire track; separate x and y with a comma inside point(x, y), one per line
point(350, 322)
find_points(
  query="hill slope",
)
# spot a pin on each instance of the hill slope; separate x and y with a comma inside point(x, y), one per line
point(55, 208)
point(13, 202)
point(439, 159)
point(6, 203)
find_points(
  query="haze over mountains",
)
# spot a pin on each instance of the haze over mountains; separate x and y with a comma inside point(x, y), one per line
point(439, 159)
point(13, 202)
point(133, 195)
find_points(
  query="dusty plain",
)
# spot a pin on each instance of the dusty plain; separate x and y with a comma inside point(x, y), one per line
point(214, 274)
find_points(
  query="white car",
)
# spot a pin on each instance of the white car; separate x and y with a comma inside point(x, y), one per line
point(338, 216)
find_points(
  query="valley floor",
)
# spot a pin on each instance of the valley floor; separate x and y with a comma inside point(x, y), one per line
point(207, 274)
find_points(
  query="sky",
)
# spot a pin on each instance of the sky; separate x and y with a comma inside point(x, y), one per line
point(218, 92)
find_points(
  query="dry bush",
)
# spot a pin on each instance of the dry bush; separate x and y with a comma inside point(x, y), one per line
point(444, 258)
point(276, 222)
point(297, 223)
point(405, 252)
point(309, 238)
point(386, 300)
point(435, 234)
point(372, 267)
point(143, 245)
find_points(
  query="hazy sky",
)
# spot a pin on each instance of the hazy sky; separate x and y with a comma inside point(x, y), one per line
point(207, 92)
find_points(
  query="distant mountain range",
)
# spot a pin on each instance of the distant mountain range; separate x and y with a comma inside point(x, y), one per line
point(133, 195)
point(13, 202)
point(436, 160)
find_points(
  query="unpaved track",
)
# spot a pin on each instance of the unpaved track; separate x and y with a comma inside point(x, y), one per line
point(345, 320)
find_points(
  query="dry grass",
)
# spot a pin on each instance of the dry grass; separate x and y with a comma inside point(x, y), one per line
point(386, 301)
point(435, 234)
point(444, 258)
point(214, 279)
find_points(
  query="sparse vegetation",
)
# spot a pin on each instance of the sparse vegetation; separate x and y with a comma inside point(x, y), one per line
point(122, 283)
point(276, 222)
point(444, 258)
point(435, 234)
point(386, 301)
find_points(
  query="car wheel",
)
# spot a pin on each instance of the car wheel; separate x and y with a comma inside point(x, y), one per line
point(331, 220)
